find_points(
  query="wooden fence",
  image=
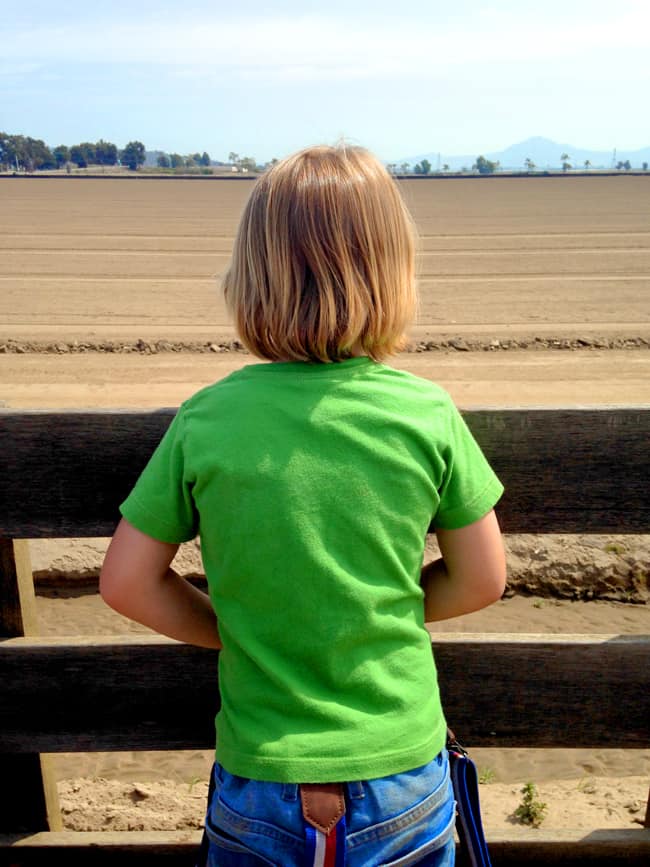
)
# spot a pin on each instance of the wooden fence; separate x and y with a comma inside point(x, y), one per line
point(63, 475)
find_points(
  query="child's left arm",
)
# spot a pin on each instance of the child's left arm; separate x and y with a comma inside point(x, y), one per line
point(137, 581)
point(470, 575)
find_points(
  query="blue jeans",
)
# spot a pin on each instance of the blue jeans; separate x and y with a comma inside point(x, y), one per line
point(404, 819)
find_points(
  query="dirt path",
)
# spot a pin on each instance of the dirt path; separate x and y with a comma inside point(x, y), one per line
point(518, 378)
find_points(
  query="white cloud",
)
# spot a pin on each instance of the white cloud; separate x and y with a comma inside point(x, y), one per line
point(322, 47)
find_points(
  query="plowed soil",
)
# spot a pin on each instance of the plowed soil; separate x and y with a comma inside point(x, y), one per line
point(133, 265)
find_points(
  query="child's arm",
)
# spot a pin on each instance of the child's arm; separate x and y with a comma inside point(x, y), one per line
point(136, 581)
point(471, 574)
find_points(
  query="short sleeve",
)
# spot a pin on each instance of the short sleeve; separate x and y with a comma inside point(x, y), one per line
point(470, 487)
point(161, 503)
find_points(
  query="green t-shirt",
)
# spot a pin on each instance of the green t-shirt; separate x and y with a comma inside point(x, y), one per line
point(312, 487)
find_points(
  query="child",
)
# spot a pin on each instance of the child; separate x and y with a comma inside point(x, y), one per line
point(312, 482)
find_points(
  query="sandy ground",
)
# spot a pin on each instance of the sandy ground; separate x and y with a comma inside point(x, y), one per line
point(509, 273)
point(519, 378)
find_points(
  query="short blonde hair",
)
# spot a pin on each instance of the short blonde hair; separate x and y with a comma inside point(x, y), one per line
point(323, 264)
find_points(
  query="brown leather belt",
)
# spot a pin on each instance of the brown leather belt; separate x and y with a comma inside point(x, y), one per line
point(323, 804)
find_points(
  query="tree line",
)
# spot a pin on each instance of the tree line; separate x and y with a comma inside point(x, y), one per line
point(177, 161)
point(24, 153)
point(484, 166)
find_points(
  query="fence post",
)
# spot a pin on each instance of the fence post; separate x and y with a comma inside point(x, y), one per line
point(33, 804)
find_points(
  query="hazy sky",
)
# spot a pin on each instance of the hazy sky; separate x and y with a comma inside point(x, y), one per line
point(264, 78)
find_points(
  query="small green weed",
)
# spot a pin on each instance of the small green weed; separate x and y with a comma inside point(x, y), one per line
point(615, 548)
point(486, 776)
point(193, 782)
point(530, 811)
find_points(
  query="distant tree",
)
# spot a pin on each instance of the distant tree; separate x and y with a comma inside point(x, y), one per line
point(189, 162)
point(22, 152)
point(78, 156)
point(566, 165)
point(105, 153)
point(484, 166)
point(233, 158)
point(177, 161)
point(422, 168)
point(587, 164)
point(83, 154)
point(530, 165)
point(204, 159)
point(644, 166)
point(5, 155)
point(627, 165)
point(405, 168)
point(445, 167)
point(61, 154)
point(90, 151)
point(392, 168)
point(6, 151)
point(247, 164)
point(133, 155)
point(37, 155)
point(163, 161)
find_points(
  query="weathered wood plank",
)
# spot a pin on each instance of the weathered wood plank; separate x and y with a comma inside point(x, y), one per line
point(18, 609)
point(164, 694)
point(557, 468)
point(526, 691)
point(31, 800)
point(569, 848)
point(34, 801)
point(546, 691)
point(80, 465)
point(556, 464)
point(101, 848)
point(599, 848)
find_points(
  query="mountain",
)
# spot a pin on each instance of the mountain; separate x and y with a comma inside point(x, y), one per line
point(546, 154)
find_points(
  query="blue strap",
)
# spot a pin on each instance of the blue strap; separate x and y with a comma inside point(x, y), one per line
point(468, 811)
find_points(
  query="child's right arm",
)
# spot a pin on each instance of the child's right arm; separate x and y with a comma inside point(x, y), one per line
point(470, 575)
point(136, 581)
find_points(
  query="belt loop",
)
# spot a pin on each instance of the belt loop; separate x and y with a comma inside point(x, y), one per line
point(289, 792)
point(355, 790)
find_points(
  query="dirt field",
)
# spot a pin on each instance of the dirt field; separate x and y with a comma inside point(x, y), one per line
point(498, 256)
point(502, 260)
point(533, 292)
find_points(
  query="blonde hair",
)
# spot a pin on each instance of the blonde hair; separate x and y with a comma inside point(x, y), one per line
point(323, 264)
